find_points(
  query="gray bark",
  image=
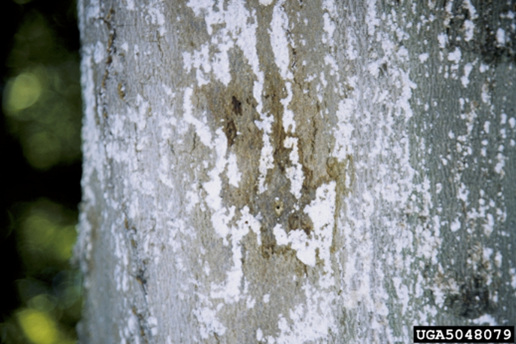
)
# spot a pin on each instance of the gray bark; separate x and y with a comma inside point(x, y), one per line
point(296, 171)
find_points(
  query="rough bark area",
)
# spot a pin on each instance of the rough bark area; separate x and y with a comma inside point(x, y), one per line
point(296, 171)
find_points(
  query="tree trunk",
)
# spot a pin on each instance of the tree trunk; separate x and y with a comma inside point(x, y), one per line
point(296, 171)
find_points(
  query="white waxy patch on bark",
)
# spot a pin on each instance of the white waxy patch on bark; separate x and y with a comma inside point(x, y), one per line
point(465, 78)
point(100, 53)
point(233, 173)
point(500, 36)
point(310, 321)
point(321, 211)
point(266, 157)
point(91, 136)
point(294, 172)
point(469, 27)
point(372, 19)
point(259, 334)
point(485, 319)
point(279, 41)
point(471, 9)
point(92, 11)
point(329, 28)
point(423, 57)
point(198, 59)
point(156, 16)
point(201, 128)
point(485, 96)
point(209, 324)
point(130, 5)
point(192, 198)
point(289, 125)
point(230, 289)
point(443, 40)
point(455, 55)
point(455, 225)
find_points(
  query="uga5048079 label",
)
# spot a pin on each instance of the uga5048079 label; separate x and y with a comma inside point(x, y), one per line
point(463, 334)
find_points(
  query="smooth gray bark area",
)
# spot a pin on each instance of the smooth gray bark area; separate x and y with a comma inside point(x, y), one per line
point(296, 171)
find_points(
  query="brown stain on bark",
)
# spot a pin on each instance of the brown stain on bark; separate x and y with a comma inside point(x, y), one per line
point(233, 109)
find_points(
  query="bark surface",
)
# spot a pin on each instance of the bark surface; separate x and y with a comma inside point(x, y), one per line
point(296, 171)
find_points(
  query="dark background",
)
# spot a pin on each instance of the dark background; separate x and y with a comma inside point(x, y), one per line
point(41, 295)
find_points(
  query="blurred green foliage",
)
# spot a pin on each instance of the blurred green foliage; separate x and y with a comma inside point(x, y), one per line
point(42, 98)
point(46, 236)
point(51, 292)
point(41, 102)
